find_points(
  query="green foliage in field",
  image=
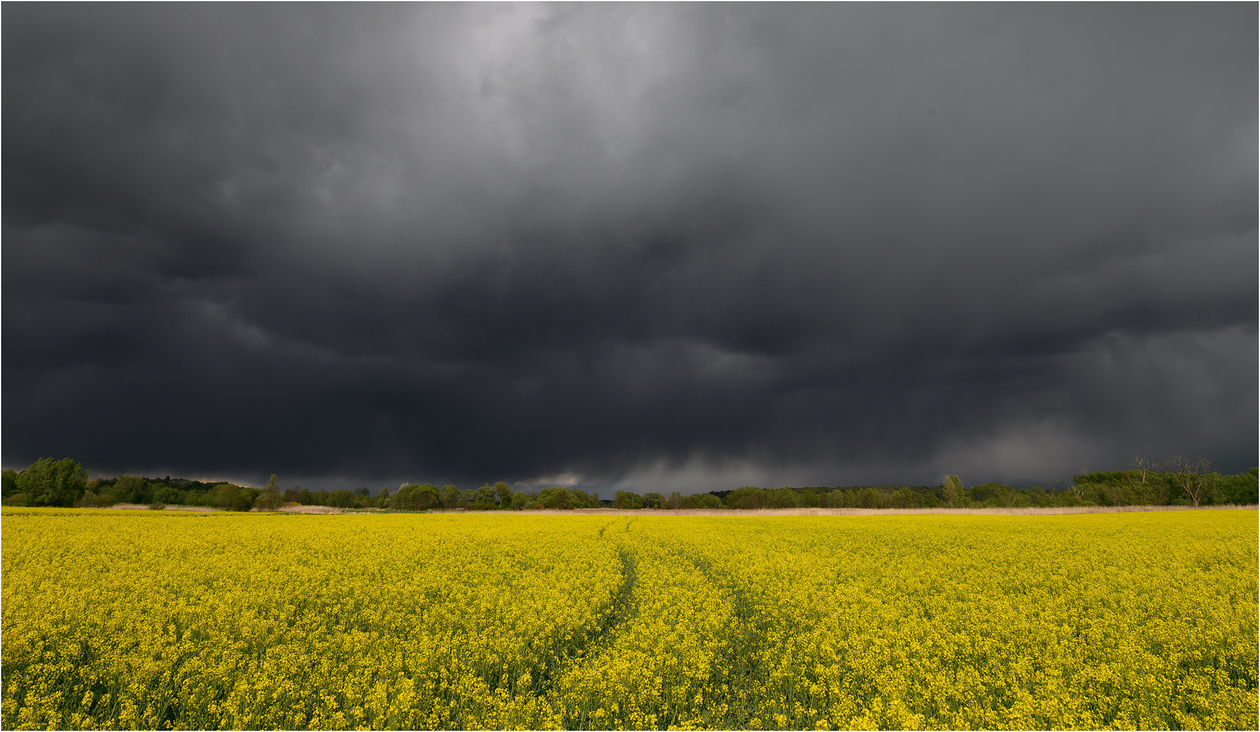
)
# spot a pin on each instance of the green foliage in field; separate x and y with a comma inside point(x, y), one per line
point(262, 621)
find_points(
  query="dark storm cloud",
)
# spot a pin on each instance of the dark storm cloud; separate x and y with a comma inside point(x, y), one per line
point(619, 245)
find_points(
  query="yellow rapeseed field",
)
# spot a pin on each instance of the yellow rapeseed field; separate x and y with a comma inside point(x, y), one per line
point(180, 620)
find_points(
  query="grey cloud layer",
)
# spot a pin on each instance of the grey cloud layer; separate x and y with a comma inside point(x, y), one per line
point(834, 242)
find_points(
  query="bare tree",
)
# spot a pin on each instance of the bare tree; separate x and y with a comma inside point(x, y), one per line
point(1143, 466)
point(1135, 481)
point(1191, 475)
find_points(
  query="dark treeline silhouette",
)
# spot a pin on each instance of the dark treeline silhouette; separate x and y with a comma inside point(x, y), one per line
point(1179, 481)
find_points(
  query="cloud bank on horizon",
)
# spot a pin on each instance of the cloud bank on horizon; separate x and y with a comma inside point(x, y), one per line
point(652, 246)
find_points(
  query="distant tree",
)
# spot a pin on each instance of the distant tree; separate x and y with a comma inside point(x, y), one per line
point(579, 498)
point(406, 499)
point(430, 497)
point(811, 497)
point(1239, 489)
point(362, 491)
point(451, 497)
point(229, 497)
point(384, 500)
point(746, 497)
point(1142, 485)
point(49, 482)
point(1038, 496)
point(504, 493)
point(556, 498)
point(902, 498)
point(836, 498)
point(1076, 491)
point(1192, 476)
point(653, 500)
point(270, 499)
point(1143, 468)
point(163, 493)
point(484, 499)
point(130, 489)
point(954, 493)
point(1009, 497)
point(866, 498)
point(520, 501)
point(627, 500)
point(92, 499)
point(782, 498)
point(990, 494)
point(412, 497)
point(97, 494)
point(10, 483)
point(705, 500)
point(345, 499)
point(194, 497)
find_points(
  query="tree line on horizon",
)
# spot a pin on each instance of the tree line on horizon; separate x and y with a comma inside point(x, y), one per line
point(1179, 481)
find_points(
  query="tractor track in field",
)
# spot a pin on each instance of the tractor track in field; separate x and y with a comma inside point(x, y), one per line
point(619, 610)
point(742, 658)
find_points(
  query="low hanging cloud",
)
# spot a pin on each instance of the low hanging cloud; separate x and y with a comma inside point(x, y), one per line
point(639, 245)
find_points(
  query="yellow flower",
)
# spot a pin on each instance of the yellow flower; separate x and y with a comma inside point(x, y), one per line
point(118, 619)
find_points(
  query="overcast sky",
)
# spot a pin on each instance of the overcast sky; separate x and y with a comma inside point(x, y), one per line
point(654, 247)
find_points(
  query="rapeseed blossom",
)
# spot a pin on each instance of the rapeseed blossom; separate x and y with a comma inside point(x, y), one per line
point(118, 619)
